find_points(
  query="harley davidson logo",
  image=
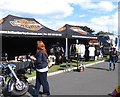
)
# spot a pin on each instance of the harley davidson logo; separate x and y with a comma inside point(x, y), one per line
point(77, 29)
point(27, 24)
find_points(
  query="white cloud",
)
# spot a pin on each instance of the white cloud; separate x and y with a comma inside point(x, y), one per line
point(105, 23)
point(102, 23)
point(106, 5)
point(54, 8)
point(2, 15)
point(38, 7)
point(82, 15)
point(115, 22)
point(103, 5)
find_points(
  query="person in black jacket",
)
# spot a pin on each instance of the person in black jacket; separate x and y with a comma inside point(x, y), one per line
point(41, 70)
point(113, 53)
point(59, 53)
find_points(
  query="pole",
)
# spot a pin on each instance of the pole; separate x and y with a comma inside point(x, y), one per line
point(66, 52)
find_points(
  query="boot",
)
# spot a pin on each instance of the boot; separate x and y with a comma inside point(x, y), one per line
point(113, 67)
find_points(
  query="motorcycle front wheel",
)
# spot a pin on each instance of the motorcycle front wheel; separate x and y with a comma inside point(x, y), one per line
point(19, 90)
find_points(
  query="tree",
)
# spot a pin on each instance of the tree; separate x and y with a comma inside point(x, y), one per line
point(104, 33)
point(87, 29)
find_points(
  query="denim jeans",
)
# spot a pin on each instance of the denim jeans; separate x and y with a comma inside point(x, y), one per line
point(41, 79)
point(112, 61)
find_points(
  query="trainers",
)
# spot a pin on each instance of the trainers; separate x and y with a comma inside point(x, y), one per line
point(113, 69)
point(44, 95)
point(110, 69)
point(41, 93)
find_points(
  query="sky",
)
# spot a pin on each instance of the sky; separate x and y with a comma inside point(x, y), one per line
point(99, 15)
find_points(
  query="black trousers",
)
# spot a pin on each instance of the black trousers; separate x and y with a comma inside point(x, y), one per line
point(41, 79)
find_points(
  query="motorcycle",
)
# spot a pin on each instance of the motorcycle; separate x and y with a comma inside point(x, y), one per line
point(12, 82)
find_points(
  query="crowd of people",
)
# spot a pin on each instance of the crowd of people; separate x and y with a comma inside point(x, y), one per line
point(87, 52)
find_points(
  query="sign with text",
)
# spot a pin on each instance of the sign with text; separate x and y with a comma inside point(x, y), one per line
point(27, 24)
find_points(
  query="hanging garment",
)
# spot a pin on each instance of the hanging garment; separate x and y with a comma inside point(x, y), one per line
point(78, 48)
point(91, 51)
point(82, 48)
point(72, 50)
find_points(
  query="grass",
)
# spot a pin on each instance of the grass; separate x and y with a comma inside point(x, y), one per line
point(55, 68)
point(31, 75)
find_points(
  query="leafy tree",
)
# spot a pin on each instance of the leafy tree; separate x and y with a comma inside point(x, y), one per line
point(87, 29)
point(104, 33)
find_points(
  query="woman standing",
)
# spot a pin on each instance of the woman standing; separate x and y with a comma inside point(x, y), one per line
point(41, 70)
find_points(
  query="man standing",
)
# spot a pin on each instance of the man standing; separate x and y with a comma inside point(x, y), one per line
point(113, 53)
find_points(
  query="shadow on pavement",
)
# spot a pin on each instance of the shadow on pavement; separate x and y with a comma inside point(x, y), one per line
point(110, 95)
point(98, 68)
point(76, 70)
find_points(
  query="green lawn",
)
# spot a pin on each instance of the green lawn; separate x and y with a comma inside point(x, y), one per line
point(55, 68)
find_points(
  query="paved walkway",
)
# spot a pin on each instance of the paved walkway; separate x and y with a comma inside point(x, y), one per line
point(95, 80)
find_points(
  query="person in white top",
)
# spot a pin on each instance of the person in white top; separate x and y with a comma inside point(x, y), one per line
point(91, 51)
